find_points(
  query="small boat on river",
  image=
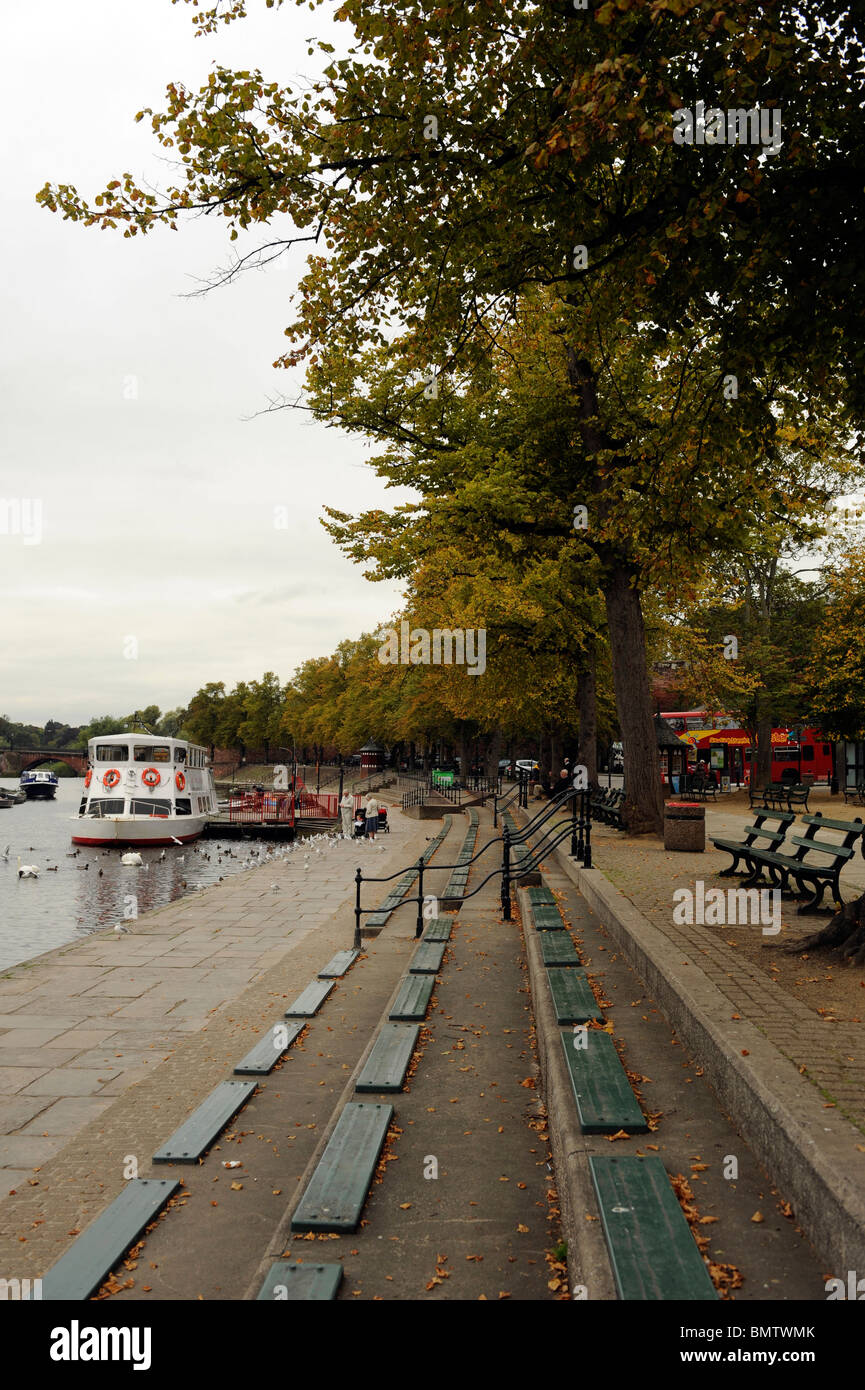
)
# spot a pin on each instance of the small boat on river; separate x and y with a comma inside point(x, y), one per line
point(39, 785)
point(142, 789)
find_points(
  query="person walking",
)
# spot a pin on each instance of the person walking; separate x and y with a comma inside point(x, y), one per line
point(345, 809)
point(371, 809)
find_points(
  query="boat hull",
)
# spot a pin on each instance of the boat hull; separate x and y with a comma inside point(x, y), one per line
point(41, 791)
point(141, 831)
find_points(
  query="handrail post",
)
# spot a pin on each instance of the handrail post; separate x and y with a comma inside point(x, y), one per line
point(577, 827)
point(419, 926)
point(496, 812)
point(358, 880)
point(587, 853)
point(506, 875)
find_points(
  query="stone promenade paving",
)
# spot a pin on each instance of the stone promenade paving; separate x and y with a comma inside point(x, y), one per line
point(80, 1025)
point(812, 1010)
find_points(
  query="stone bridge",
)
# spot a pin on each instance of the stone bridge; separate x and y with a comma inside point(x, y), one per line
point(14, 761)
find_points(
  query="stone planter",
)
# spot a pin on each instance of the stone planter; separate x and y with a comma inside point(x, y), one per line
point(685, 826)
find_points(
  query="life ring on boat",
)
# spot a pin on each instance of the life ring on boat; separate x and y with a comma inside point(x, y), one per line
point(179, 781)
point(150, 777)
point(111, 778)
point(88, 779)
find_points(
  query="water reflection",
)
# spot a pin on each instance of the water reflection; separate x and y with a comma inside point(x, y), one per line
point(76, 894)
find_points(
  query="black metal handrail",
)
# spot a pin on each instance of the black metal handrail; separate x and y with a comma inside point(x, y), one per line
point(416, 798)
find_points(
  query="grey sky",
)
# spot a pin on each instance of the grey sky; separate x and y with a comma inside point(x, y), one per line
point(124, 402)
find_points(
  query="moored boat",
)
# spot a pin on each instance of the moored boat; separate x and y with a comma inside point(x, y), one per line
point(142, 789)
point(39, 785)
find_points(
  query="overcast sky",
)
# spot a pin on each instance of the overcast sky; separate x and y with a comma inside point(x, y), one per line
point(125, 402)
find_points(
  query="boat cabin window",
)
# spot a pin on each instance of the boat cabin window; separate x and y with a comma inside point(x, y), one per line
point(106, 806)
point(147, 753)
point(180, 755)
point(112, 753)
point(150, 808)
point(183, 806)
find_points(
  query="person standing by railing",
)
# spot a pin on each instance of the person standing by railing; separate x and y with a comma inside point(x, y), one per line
point(346, 806)
point(371, 810)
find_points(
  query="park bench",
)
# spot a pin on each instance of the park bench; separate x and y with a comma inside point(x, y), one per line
point(605, 1100)
point(412, 1001)
point(855, 794)
point(797, 795)
point(572, 997)
point(195, 1136)
point(262, 1059)
point(608, 808)
point(295, 1283)
point(700, 787)
point(89, 1261)
point(652, 1251)
point(753, 833)
point(310, 1000)
point(334, 1196)
point(387, 1063)
point(781, 867)
point(338, 965)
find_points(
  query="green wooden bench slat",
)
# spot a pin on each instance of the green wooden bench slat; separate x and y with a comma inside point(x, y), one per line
point(195, 1135)
point(87, 1263)
point(338, 965)
point(572, 997)
point(541, 897)
point(334, 1196)
point(547, 918)
point(413, 999)
point(846, 825)
point(292, 1283)
point(652, 1251)
point(427, 959)
point(308, 1003)
point(385, 1067)
point(557, 948)
point(262, 1058)
point(439, 929)
point(605, 1101)
point(823, 847)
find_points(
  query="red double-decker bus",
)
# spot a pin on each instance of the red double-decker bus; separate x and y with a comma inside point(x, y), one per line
point(799, 753)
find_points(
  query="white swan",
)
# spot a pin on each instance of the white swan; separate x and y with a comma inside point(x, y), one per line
point(132, 857)
point(27, 870)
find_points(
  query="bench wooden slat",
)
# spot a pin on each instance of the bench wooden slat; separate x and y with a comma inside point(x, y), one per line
point(89, 1261)
point(427, 959)
point(385, 1067)
point(572, 997)
point(412, 1001)
point(262, 1058)
point(334, 1196)
point(605, 1100)
point(293, 1283)
point(308, 1003)
point(439, 929)
point(195, 1135)
point(557, 948)
point(338, 965)
point(541, 897)
point(652, 1252)
point(547, 918)
point(824, 847)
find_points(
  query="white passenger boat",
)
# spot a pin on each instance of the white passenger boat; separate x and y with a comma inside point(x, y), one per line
point(141, 789)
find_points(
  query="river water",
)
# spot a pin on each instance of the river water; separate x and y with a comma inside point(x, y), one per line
point(40, 914)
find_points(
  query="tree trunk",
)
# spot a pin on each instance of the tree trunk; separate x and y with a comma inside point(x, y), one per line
point(643, 807)
point(587, 753)
point(556, 755)
point(845, 932)
point(839, 781)
point(493, 753)
point(762, 764)
point(463, 746)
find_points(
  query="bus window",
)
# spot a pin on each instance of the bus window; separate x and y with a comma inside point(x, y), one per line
point(807, 752)
point(827, 750)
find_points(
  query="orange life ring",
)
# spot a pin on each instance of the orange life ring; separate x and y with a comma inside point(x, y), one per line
point(179, 781)
point(88, 779)
point(111, 778)
point(150, 777)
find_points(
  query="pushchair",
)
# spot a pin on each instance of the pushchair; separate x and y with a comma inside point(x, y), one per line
point(383, 827)
point(359, 825)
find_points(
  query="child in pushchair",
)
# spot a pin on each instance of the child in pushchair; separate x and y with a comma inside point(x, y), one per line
point(359, 824)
